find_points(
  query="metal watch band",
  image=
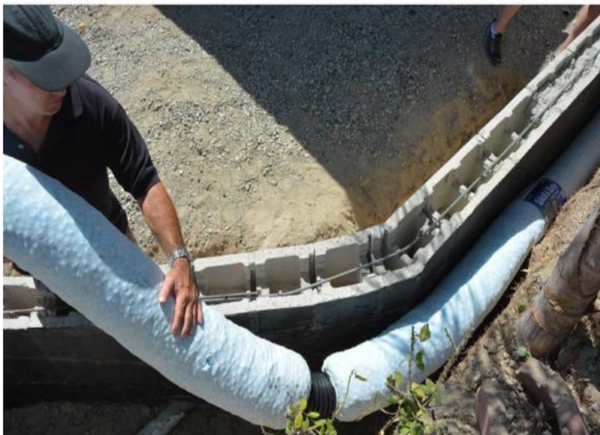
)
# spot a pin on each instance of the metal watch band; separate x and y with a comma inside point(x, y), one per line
point(180, 253)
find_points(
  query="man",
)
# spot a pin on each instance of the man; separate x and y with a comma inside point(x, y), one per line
point(62, 122)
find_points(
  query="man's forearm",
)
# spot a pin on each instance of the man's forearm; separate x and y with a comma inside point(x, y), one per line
point(161, 217)
point(179, 282)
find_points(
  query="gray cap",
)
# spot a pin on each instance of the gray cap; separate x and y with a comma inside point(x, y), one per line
point(42, 48)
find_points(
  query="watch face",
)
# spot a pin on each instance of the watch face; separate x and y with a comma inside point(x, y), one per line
point(181, 253)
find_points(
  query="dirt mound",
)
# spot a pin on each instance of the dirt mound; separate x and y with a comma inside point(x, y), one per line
point(492, 356)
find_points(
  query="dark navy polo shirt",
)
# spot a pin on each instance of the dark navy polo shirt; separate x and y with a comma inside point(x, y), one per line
point(89, 134)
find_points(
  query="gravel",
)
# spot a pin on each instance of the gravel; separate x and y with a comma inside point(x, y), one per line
point(258, 114)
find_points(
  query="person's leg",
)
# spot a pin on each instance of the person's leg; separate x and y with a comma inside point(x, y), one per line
point(586, 15)
point(507, 13)
point(494, 32)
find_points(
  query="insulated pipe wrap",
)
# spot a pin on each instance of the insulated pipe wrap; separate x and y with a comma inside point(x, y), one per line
point(458, 305)
point(61, 240)
point(465, 297)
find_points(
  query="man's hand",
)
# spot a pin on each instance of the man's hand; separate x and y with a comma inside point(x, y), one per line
point(180, 284)
point(159, 212)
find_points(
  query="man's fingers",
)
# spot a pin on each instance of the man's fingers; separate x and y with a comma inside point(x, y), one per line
point(187, 309)
point(199, 314)
point(180, 306)
point(189, 320)
point(166, 290)
point(195, 312)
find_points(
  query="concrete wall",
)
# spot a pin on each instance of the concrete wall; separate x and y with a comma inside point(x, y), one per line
point(348, 310)
point(50, 357)
point(374, 297)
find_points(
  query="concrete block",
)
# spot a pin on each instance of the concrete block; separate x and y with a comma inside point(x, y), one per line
point(433, 241)
point(595, 40)
point(436, 194)
point(375, 236)
point(513, 118)
point(443, 193)
point(551, 71)
point(361, 239)
point(282, 273)
point(341, 259)
point(572, 100)
point(402, 228)
point(471, 164)
point(305, 253)
point(18, 281)
point(21, 297)
point(572, 79)
point(245, 258)
point(217, 279)
point(329, 251)
point(460, 202)
point(225, 279)
point(490, 161)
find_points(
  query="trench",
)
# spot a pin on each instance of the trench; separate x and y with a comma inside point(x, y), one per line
point(442, 131)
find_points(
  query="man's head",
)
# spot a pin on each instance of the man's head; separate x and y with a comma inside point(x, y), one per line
point(26, 96)
point(43, 50)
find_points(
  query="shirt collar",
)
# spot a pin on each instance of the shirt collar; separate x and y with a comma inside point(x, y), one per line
point(73, 107)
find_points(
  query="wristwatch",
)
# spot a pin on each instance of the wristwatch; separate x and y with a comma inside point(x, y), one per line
point(180, 253)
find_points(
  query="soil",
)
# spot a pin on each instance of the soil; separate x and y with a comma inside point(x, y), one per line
point(275, 126)
point(491, 356)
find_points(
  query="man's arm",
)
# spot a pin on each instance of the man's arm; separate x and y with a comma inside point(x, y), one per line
point(161, 217)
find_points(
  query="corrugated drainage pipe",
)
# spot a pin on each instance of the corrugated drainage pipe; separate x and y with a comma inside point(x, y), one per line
point(322, 397)
point(468, 294)
point(76, 252)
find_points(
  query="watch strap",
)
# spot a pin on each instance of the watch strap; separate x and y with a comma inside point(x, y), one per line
point(180, 253)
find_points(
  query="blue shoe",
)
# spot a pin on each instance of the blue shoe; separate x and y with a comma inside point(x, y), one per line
point(492, 45)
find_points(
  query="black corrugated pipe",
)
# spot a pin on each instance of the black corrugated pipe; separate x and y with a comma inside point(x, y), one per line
point(322, 397)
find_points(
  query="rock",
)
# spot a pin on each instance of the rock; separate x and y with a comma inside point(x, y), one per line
point(592, 397)
point(546, 386)
point(491, 413)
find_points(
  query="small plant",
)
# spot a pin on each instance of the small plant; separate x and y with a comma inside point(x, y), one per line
point(523, 353)
point(300, 422)
point(522, 306)
point(415, 401)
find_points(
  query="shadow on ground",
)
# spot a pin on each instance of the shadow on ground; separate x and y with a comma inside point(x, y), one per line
point(380, 96)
